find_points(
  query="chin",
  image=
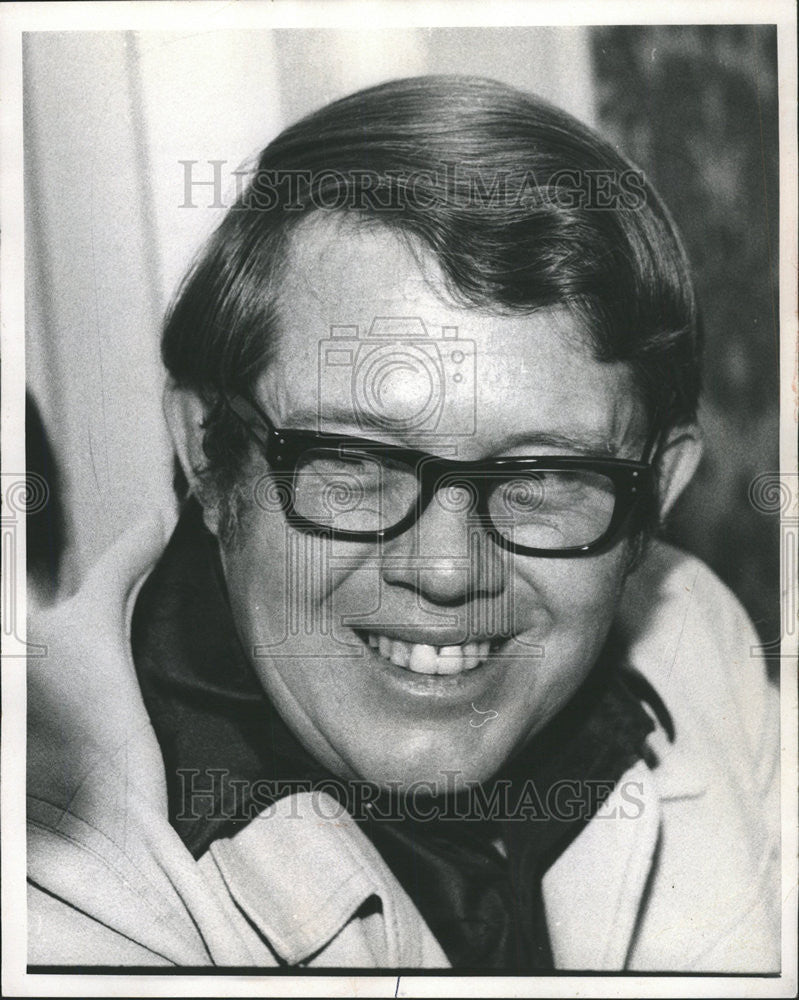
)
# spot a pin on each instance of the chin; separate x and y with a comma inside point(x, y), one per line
point(441, 770)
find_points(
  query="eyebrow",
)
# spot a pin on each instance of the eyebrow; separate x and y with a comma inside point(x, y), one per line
point(582, 441)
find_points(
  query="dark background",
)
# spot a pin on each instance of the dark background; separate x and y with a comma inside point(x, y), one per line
point(696, 109)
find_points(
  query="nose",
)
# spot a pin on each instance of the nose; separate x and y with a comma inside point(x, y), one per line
point(447, 556)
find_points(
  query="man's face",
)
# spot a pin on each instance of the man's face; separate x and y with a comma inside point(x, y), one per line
point(314, 614)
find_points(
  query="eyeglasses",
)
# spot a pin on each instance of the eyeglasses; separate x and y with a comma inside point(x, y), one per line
point(354, 489)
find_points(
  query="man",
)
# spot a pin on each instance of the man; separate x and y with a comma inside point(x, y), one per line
point(413, 684)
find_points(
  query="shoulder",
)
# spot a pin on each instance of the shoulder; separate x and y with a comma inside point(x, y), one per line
point(688, 634)
point(714, 896)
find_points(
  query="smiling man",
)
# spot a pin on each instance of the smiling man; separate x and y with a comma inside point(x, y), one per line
point(414, 683)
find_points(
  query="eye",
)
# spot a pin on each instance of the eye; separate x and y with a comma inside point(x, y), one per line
point(359, 470)
point(352, 490)
point(553, 508)
point(339, 461)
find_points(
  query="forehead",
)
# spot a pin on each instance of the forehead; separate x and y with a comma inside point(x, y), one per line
point(357, 289)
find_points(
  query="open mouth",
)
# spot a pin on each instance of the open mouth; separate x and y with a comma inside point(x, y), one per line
point(419, 658)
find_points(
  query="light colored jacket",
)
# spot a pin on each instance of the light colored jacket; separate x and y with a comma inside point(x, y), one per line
point(677, 872)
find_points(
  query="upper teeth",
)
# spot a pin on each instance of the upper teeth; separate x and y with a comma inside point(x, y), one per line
point(422, 659)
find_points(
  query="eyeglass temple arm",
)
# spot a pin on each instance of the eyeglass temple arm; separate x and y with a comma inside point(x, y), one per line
point(251, 415)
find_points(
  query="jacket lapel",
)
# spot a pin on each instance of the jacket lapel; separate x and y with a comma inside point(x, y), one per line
point(593, 892)
point(302, 873)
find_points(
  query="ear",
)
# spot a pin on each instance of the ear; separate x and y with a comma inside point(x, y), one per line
point(677, 462)
point(184, 412)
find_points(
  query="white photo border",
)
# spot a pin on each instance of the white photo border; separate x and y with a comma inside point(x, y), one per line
point(16, 18)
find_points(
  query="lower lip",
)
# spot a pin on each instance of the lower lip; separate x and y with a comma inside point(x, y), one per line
point(445, 689)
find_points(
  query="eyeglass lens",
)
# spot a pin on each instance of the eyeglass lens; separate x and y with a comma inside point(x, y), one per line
point(544, 509)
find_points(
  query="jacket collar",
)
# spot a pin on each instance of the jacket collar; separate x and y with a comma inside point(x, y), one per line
point(604, 873)
point(333, 871)
point(666, 624)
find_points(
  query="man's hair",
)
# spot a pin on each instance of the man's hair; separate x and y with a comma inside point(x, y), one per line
point(523, 206)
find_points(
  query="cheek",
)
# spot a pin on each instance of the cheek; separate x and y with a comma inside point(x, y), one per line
point(276, 583)
point(285, 590)
point(267, 568)
point(580, 594)
point(577, 599)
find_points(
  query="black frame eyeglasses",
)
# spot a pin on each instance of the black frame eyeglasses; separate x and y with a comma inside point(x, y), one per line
point(631, 482)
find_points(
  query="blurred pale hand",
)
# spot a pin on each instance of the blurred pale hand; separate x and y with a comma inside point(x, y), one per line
point(87, 664)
